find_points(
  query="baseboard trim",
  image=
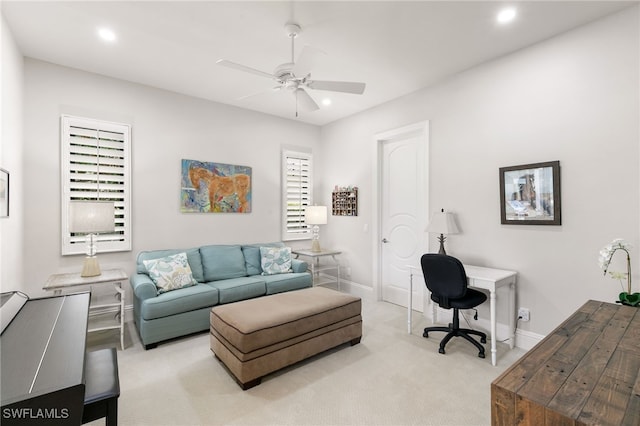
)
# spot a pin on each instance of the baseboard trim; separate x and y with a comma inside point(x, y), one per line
point(527, 340)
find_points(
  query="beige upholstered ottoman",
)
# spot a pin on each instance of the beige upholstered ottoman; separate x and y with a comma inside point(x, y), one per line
point(259, 336)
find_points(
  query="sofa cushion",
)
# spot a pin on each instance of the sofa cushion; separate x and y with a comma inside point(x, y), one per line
point(287, 282)
point(221, 262)
point(252, 256)
point(170, 273)
point(179, 301)
point(235, 289)
point(193, 257)
point(275, 260)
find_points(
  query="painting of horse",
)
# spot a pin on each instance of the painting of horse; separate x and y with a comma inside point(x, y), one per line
point(208, 187)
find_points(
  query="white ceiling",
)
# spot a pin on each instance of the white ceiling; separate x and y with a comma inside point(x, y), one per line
point(394, 47)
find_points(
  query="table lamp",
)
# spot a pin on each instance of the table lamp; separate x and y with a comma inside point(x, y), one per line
point(91, 218)
point(315, 215)
point(442, 223)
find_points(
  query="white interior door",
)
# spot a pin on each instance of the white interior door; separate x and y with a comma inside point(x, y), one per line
point(403, 208)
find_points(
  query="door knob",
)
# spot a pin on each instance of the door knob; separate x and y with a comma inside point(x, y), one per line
point(384, 240)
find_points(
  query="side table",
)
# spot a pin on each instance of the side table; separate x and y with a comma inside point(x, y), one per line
point(317, 267)
point(59, 282)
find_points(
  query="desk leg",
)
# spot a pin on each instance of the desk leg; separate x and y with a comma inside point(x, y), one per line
point(512, 315)
point(409, 302)
point(494, 351)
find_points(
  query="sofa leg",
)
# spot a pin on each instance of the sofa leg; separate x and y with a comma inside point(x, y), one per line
point(356, 340)
point(150, 346)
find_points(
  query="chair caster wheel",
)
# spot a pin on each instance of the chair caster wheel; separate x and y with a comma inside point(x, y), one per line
point(441, 350)
point(481, 355)
point(483, 340)
point(425, 334)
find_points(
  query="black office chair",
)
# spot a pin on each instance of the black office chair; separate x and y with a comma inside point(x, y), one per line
point(446, 280)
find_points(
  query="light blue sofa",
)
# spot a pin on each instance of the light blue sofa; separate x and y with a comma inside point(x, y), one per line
point(225, 274)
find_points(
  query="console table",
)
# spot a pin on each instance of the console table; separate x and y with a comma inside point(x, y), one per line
point(585, 372)
point(486, 279)
point(59, 282)
point(316, 267)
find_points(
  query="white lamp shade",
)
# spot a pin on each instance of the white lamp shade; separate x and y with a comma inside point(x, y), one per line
point(91, 216)
point(442, 223)
point(316, 215)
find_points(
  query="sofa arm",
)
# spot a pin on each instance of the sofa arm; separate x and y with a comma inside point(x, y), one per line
point(298, 265)
point(143, 287)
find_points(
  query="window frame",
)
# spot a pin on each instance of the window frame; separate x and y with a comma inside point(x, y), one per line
point(303, 232)
point(115, 178)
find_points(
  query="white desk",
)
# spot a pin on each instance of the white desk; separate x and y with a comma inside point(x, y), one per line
point(486, 279)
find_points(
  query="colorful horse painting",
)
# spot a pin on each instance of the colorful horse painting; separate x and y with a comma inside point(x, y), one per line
point(215, 188)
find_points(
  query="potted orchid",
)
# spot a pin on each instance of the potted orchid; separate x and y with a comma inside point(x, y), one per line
point(606, 254)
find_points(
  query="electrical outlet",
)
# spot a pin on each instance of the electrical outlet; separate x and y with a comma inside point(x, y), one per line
point(523, 314)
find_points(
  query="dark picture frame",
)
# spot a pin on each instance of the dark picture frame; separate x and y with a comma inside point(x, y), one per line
point(530, 194)
point(4, 193)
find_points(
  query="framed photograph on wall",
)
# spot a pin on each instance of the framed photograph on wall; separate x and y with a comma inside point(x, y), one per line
point(530, 194)
point(4, 193)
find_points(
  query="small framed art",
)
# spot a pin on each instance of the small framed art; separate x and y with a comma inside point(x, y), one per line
point(4, 193)
point(530, 194)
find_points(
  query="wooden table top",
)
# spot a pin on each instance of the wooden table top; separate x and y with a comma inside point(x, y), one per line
point(585, 372)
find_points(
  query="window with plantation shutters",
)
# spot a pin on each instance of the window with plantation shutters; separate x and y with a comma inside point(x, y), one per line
point(96, 166)
point(296, 194)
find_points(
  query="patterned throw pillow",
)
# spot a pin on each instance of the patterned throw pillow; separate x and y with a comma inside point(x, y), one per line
point(275, 260)
point(170, 273)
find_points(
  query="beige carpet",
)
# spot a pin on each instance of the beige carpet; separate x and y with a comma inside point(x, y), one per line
point(390, 378)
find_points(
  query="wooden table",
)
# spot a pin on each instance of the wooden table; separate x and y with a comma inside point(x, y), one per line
point(586, 372)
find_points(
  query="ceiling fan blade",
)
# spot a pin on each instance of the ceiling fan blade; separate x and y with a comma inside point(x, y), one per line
point(305, 101)
point(337, 86)
point(306, 61)
point(244, 68)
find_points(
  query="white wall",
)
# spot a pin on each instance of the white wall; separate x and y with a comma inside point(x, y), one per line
point(166, 127)
point(573, 98)
point(11, 228)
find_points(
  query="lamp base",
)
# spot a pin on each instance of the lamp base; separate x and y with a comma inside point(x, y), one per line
point(441, 238)
point(315, 246)
point(90, 267)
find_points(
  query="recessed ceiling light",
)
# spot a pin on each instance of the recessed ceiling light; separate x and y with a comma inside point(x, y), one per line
point(506, 15)
point(106, 34)
point(326, 102)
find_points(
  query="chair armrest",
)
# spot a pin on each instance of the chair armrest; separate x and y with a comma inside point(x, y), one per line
point(143, 287)
point(298, 265)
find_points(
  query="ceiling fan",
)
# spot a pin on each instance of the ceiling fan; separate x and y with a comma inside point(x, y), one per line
point(296, 76)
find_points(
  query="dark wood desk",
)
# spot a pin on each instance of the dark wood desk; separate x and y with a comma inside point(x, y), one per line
point(585, 372)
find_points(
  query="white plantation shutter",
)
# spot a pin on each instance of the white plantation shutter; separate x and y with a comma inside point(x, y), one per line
point(296, 194)
point(96, 166)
